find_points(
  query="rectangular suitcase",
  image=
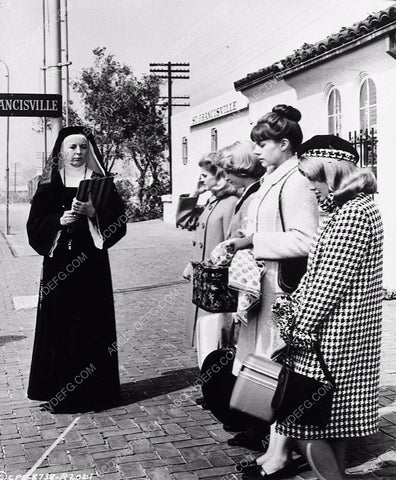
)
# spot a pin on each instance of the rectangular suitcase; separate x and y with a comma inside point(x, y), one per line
point(255, 387)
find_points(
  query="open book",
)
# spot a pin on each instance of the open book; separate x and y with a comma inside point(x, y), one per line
point(99, 188)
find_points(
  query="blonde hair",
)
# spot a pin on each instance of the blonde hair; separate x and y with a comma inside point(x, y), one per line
point(344, 179)
point(210, 162)
point(240, 160)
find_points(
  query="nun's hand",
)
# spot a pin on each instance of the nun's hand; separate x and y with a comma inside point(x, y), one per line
point(68, 217)
point(83, 208)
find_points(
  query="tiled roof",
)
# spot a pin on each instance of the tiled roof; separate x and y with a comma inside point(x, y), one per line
point(306, 52)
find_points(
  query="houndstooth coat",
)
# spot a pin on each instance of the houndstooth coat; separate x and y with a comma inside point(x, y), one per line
point(340, 302)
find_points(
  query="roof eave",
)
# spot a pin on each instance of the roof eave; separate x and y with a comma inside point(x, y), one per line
point(244, 84)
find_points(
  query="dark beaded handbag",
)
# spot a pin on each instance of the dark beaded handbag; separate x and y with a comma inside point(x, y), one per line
point(210, 288)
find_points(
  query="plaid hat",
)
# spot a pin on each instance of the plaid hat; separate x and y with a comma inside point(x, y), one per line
point(328, 146)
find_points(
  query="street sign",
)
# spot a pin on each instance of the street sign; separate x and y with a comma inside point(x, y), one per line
point(30, 105)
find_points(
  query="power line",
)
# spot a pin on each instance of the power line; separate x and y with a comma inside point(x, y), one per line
point(224, 70)
point(246, 27)
point(228, 66)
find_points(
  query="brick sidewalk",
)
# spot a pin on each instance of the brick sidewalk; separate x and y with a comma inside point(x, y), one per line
point(157, 431)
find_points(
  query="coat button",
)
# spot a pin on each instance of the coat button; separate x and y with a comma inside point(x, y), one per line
point(203, 225)
point(200, 245)
point(194, 243)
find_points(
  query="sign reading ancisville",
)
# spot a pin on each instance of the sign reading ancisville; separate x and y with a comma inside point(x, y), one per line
point(30, 105)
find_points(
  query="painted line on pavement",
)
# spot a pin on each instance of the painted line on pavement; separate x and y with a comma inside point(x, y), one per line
point(49, 449)
point(150, 287)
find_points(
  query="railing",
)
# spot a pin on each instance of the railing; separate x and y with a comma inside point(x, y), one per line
point(365, 142)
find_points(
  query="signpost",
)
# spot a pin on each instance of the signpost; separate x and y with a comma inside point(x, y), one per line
point(26, 105)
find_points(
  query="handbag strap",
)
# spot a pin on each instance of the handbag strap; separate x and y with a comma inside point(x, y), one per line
point(230, 342)
point(329, 377)
point(280, 198)
point(316, 348)
point(214, 203)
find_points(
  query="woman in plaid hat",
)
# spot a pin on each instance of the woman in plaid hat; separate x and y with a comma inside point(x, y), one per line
point(339, 303)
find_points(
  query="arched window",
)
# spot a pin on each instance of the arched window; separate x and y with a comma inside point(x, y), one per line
point(368, 105)
point(184, 150)
point(334, 112)
point(213, 139)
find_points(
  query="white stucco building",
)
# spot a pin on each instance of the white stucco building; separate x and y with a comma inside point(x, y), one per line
point(343, 84)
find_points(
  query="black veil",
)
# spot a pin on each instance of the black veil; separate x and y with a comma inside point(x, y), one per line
point(94, 159)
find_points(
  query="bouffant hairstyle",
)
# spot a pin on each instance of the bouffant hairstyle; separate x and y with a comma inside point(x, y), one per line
point(210, 163)
point(344, 179)
point(240, 160)
point(281, 123)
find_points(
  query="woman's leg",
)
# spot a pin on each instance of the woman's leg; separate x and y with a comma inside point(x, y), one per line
point(322, 458)
point(339, 446)
point(271, 446)
point(278, 454)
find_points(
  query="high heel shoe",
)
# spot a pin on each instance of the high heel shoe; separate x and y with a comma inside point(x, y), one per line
point(258, 472)
point(246, 467)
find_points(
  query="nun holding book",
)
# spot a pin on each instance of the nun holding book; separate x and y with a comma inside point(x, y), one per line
point(74, 219)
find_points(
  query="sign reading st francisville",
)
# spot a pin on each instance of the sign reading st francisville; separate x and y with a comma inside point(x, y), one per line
point(230, 106)
point(30, 105)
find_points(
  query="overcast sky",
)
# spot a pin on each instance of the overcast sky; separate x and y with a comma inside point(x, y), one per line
point(223, 40)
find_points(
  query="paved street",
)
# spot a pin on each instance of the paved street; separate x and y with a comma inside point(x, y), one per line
point(157, 432)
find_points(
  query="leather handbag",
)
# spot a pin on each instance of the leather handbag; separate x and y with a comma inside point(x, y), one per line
point(187, 212)
point(255, 387)
point(303, 399)
point(290, 270)
point(210, 288)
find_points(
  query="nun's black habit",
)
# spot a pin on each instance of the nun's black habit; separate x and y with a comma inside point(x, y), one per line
point(74, 363)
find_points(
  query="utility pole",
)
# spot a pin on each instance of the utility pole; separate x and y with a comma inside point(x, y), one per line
point(7, 225)
point(54, 67)
point(15, 173)
point(66, 63)
point(171, 71)
point(44, 68)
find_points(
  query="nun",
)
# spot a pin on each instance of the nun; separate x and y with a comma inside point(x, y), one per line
point(74, 362)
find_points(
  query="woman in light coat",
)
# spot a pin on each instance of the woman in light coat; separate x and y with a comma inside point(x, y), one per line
point(212, 226)
point(277, 136)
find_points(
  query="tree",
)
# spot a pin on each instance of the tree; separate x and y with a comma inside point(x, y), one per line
point(124, 116)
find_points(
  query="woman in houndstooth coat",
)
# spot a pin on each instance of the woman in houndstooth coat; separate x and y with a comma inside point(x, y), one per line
point(339, 303)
